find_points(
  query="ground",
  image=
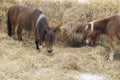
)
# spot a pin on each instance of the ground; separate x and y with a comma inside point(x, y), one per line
point(21, 61)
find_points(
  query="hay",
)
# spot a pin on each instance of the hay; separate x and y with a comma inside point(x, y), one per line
point(75, 18)
point(70, 62)
point(20, 60)
point(68, 16)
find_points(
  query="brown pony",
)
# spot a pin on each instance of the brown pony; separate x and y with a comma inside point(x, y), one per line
point(30, 20)
point(109, 26)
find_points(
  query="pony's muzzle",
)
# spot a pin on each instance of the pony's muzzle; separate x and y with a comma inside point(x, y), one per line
point(50, 51)
point(88, 42)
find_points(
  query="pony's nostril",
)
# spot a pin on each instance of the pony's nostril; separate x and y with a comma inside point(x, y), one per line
point(49, 51)
point(91, 44)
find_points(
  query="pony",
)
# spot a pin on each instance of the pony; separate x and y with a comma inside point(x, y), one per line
point(24, 17)
point(109, 26)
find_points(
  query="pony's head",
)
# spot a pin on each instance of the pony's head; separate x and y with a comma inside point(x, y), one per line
point(90, 34)
point(49, 39)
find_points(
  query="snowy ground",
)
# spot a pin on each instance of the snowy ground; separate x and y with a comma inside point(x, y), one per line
point(89, 76)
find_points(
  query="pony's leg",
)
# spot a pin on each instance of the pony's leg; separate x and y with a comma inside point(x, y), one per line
point(36, 41)
point(19, 32)
point(112, 49)
point(40, 46)
point(13, 30)
point(40, 42)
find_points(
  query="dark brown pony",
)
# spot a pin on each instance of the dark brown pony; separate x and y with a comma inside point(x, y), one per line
point(109, 26)
point(31, 20)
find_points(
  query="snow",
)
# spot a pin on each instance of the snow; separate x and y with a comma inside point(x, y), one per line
point(82, 0)
point(89, 76)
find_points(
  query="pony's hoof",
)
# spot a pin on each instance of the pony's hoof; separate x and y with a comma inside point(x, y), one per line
point(37, 48)
point(110, 60)
point(40, 47)
point(20, 39)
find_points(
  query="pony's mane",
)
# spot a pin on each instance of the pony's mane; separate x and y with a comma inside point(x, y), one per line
point(105, 18)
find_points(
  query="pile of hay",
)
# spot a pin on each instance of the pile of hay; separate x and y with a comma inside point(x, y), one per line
point(75, 18)
point(69, 17)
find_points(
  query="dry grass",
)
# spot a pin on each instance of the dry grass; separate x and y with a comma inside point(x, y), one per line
point(75, 18)
point(20, 60)
point(68, 16)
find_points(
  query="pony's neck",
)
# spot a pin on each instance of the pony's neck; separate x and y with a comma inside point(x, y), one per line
point(101, 25)
point(46, 26)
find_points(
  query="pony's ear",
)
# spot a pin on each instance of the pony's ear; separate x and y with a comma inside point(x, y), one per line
point(88, 26)
point(56, 30)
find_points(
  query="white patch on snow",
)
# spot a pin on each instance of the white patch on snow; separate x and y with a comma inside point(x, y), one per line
point(88, 76)
point(40, 72)
point(82, 0)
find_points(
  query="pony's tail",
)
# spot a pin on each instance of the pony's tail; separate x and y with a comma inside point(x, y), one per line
point(9, 25)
